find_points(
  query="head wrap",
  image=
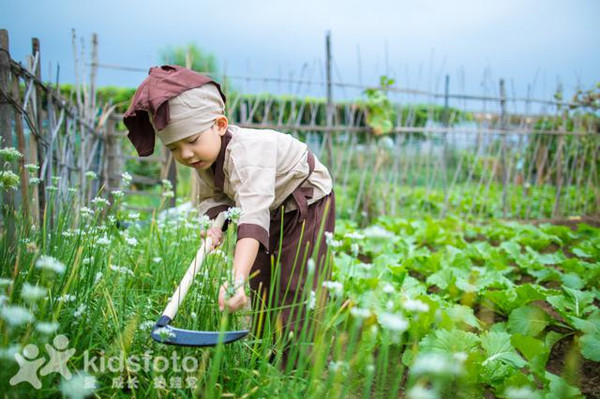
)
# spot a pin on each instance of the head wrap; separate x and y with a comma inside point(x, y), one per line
point(149, 111)
point(191, 112)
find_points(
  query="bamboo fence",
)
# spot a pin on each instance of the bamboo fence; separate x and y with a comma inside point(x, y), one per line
point(508, 156)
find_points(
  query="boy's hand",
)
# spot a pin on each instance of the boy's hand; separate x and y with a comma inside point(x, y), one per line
point(216, 236)
point(233, 302)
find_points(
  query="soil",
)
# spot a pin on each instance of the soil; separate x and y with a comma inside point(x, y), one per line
point(585, 374)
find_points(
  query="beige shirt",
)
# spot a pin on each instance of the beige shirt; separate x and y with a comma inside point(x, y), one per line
point(257, 170)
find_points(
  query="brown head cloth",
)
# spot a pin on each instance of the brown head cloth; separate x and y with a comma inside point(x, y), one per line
point(153, 95)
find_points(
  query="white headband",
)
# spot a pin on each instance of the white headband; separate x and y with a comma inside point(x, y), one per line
point(191, 112)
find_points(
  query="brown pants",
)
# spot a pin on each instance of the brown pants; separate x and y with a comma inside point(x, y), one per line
point(286, 264)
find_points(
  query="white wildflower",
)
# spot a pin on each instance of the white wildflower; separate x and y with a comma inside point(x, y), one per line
point(10, 352)
point(103, 241)
point(5, 282)
point(204, 222)
point(131, 241)
point(79, 386)
point(377, 232)
point(56, 180)
point(146, 325)
point(100, 202)
point(125, 179)
point(420, 392)
point(79, 311)
point(51, 189)
point(88, 260)
point(388, 288)
point(389, 305)
point(31, 293)
point(165, 333)
point(32, 168)
point(10, 154)
point(355, 249)
point(91, 175)
point(393, 321)
point(354, 236)
point(9, 180)
point(47, 327)
point(168, 194)
point(219, 253)
point(72, 190)
point(167, 185)
point(157, 259)
point(133, 216)
point(436, 364)
point(49, 263)
point(97, 277)
point(233, 214)
point(342, 366)
point(16, 315)
point(311, 301)
point(121, 269)
point(365, 266)
point(333, 244)
point(360, 313)
point(34, 180)
point(194, 315)
point(66, 298)
point(86, 212)
point(523, 392)
point(67, 234)
point(118, 194)
point(415, 305)
point(460, 356)
point(335, 287)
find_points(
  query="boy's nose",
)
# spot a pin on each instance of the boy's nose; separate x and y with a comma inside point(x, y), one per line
point(186, 154)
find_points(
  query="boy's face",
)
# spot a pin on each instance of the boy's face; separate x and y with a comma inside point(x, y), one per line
point(201, 150)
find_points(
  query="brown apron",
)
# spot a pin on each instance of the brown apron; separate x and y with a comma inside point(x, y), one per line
point(285, 262)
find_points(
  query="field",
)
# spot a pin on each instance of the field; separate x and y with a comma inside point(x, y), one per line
point(415, 307)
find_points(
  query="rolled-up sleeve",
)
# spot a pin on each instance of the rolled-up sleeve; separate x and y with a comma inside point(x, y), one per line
point(253, 181)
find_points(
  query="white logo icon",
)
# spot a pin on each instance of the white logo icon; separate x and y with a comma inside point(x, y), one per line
point(29, 364)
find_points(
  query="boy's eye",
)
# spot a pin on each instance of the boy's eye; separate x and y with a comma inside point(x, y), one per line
point(194, 140)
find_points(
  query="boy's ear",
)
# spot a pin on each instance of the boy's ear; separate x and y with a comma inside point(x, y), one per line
point(222, 124)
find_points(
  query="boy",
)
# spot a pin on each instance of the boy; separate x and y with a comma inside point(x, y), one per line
point(267, 174)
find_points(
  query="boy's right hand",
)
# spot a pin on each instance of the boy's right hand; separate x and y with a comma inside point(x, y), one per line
point(216, 236)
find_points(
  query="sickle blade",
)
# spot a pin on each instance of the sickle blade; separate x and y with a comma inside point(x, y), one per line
point(176, 336)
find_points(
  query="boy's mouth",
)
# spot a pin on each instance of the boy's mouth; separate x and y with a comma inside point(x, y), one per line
point(197, 164)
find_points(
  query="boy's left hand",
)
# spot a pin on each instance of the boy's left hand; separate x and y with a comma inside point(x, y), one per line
point(235, 302)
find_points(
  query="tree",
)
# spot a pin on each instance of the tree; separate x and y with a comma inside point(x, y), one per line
point(190, 56)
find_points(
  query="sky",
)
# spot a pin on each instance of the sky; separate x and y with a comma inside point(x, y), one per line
point(539, 43)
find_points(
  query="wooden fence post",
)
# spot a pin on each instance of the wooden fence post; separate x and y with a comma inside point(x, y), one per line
point(35, 147)
point(21, 146)
point(330, 109)
point(6, 110)
point(6, 134)
point(504, 163)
